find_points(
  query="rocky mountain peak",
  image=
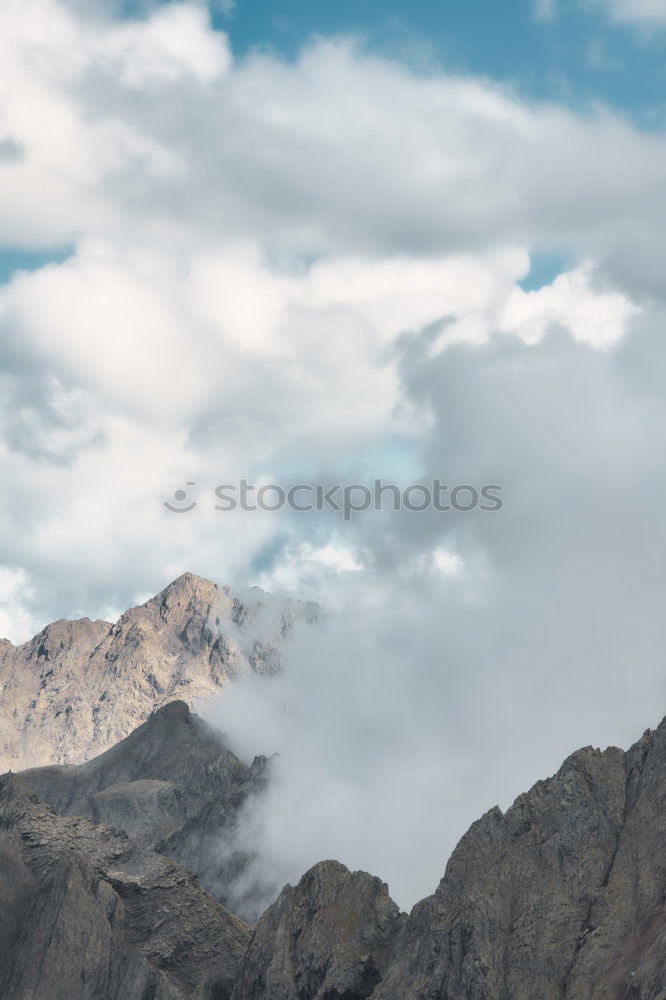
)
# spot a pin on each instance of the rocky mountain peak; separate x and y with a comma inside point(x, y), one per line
point(186, 592)
point(328, 938)
point(561, 897)
point(171, 785)
point(80, 686)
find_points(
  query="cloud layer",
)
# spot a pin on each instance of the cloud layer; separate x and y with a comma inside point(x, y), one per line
point(315, 269)
point(248, 241)
point(438, 686)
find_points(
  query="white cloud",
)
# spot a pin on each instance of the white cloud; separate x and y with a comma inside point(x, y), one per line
point(308, 568)
point(448, 563)
point(170, 47)
point(281, 269)
point(154, 136)
point(598, 318)
point(16, 619)
point(132, 373)
point(472, 654)
point(643, 13)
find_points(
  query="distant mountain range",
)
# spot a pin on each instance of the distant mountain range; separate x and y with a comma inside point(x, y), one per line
point(560, 898)
point(80, 686)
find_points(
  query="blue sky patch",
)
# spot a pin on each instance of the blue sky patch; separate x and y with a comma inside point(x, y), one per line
point(544, 268)
point(13, 259)
point(575, 58)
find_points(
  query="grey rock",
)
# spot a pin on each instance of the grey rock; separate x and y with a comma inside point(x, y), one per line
point(88, 915)
point(561, 898)
point(80, 686)
point(329, 938)
point(171, 785)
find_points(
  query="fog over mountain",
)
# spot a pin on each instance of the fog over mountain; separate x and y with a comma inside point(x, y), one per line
point(326, 245)
point(388, 735)
point(312, 269)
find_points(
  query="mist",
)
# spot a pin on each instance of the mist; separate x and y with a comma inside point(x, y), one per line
point(467, 655)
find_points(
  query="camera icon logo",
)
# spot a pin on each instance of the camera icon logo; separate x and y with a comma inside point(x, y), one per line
point(181, 496)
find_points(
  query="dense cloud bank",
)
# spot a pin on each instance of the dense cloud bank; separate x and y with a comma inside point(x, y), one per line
point(238, 247)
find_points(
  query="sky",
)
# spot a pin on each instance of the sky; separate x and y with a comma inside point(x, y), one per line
point(332, 244)
point(568, 50)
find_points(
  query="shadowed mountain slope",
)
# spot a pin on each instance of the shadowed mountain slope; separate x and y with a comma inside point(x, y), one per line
point(562, 897)
point(87, 914)
point(171, 785)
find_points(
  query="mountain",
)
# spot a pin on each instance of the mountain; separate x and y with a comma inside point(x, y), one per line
point(172, 786)
point(87, 914)
point(560, 898)
point(80, 686)
point(329, 937)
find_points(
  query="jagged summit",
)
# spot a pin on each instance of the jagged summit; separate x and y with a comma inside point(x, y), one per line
point(332, 935)
point(186, 588)
point(187, 580)
point(79, 686)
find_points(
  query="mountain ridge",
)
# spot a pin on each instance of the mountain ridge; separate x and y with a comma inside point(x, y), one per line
point(172, 785)
point(561, 897)
point(79, 685)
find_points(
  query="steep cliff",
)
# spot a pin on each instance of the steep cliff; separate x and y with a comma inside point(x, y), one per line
point(86, 913)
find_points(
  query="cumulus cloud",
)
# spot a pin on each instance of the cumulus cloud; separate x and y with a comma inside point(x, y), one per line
point(473, 651)
point(593, 316)
point(154, 134)
point(313, 269)
point(129, 375)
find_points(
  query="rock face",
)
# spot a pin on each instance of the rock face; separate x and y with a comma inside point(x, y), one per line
point(172, 785)
point(87, 914)
point(80, 686)
point(330, 938)
point(561, 898)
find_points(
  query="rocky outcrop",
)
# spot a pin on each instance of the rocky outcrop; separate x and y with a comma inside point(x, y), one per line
point(80, 686)
point(86, 913)
point(172, 785)
point(561, 898)
point(329, 938)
